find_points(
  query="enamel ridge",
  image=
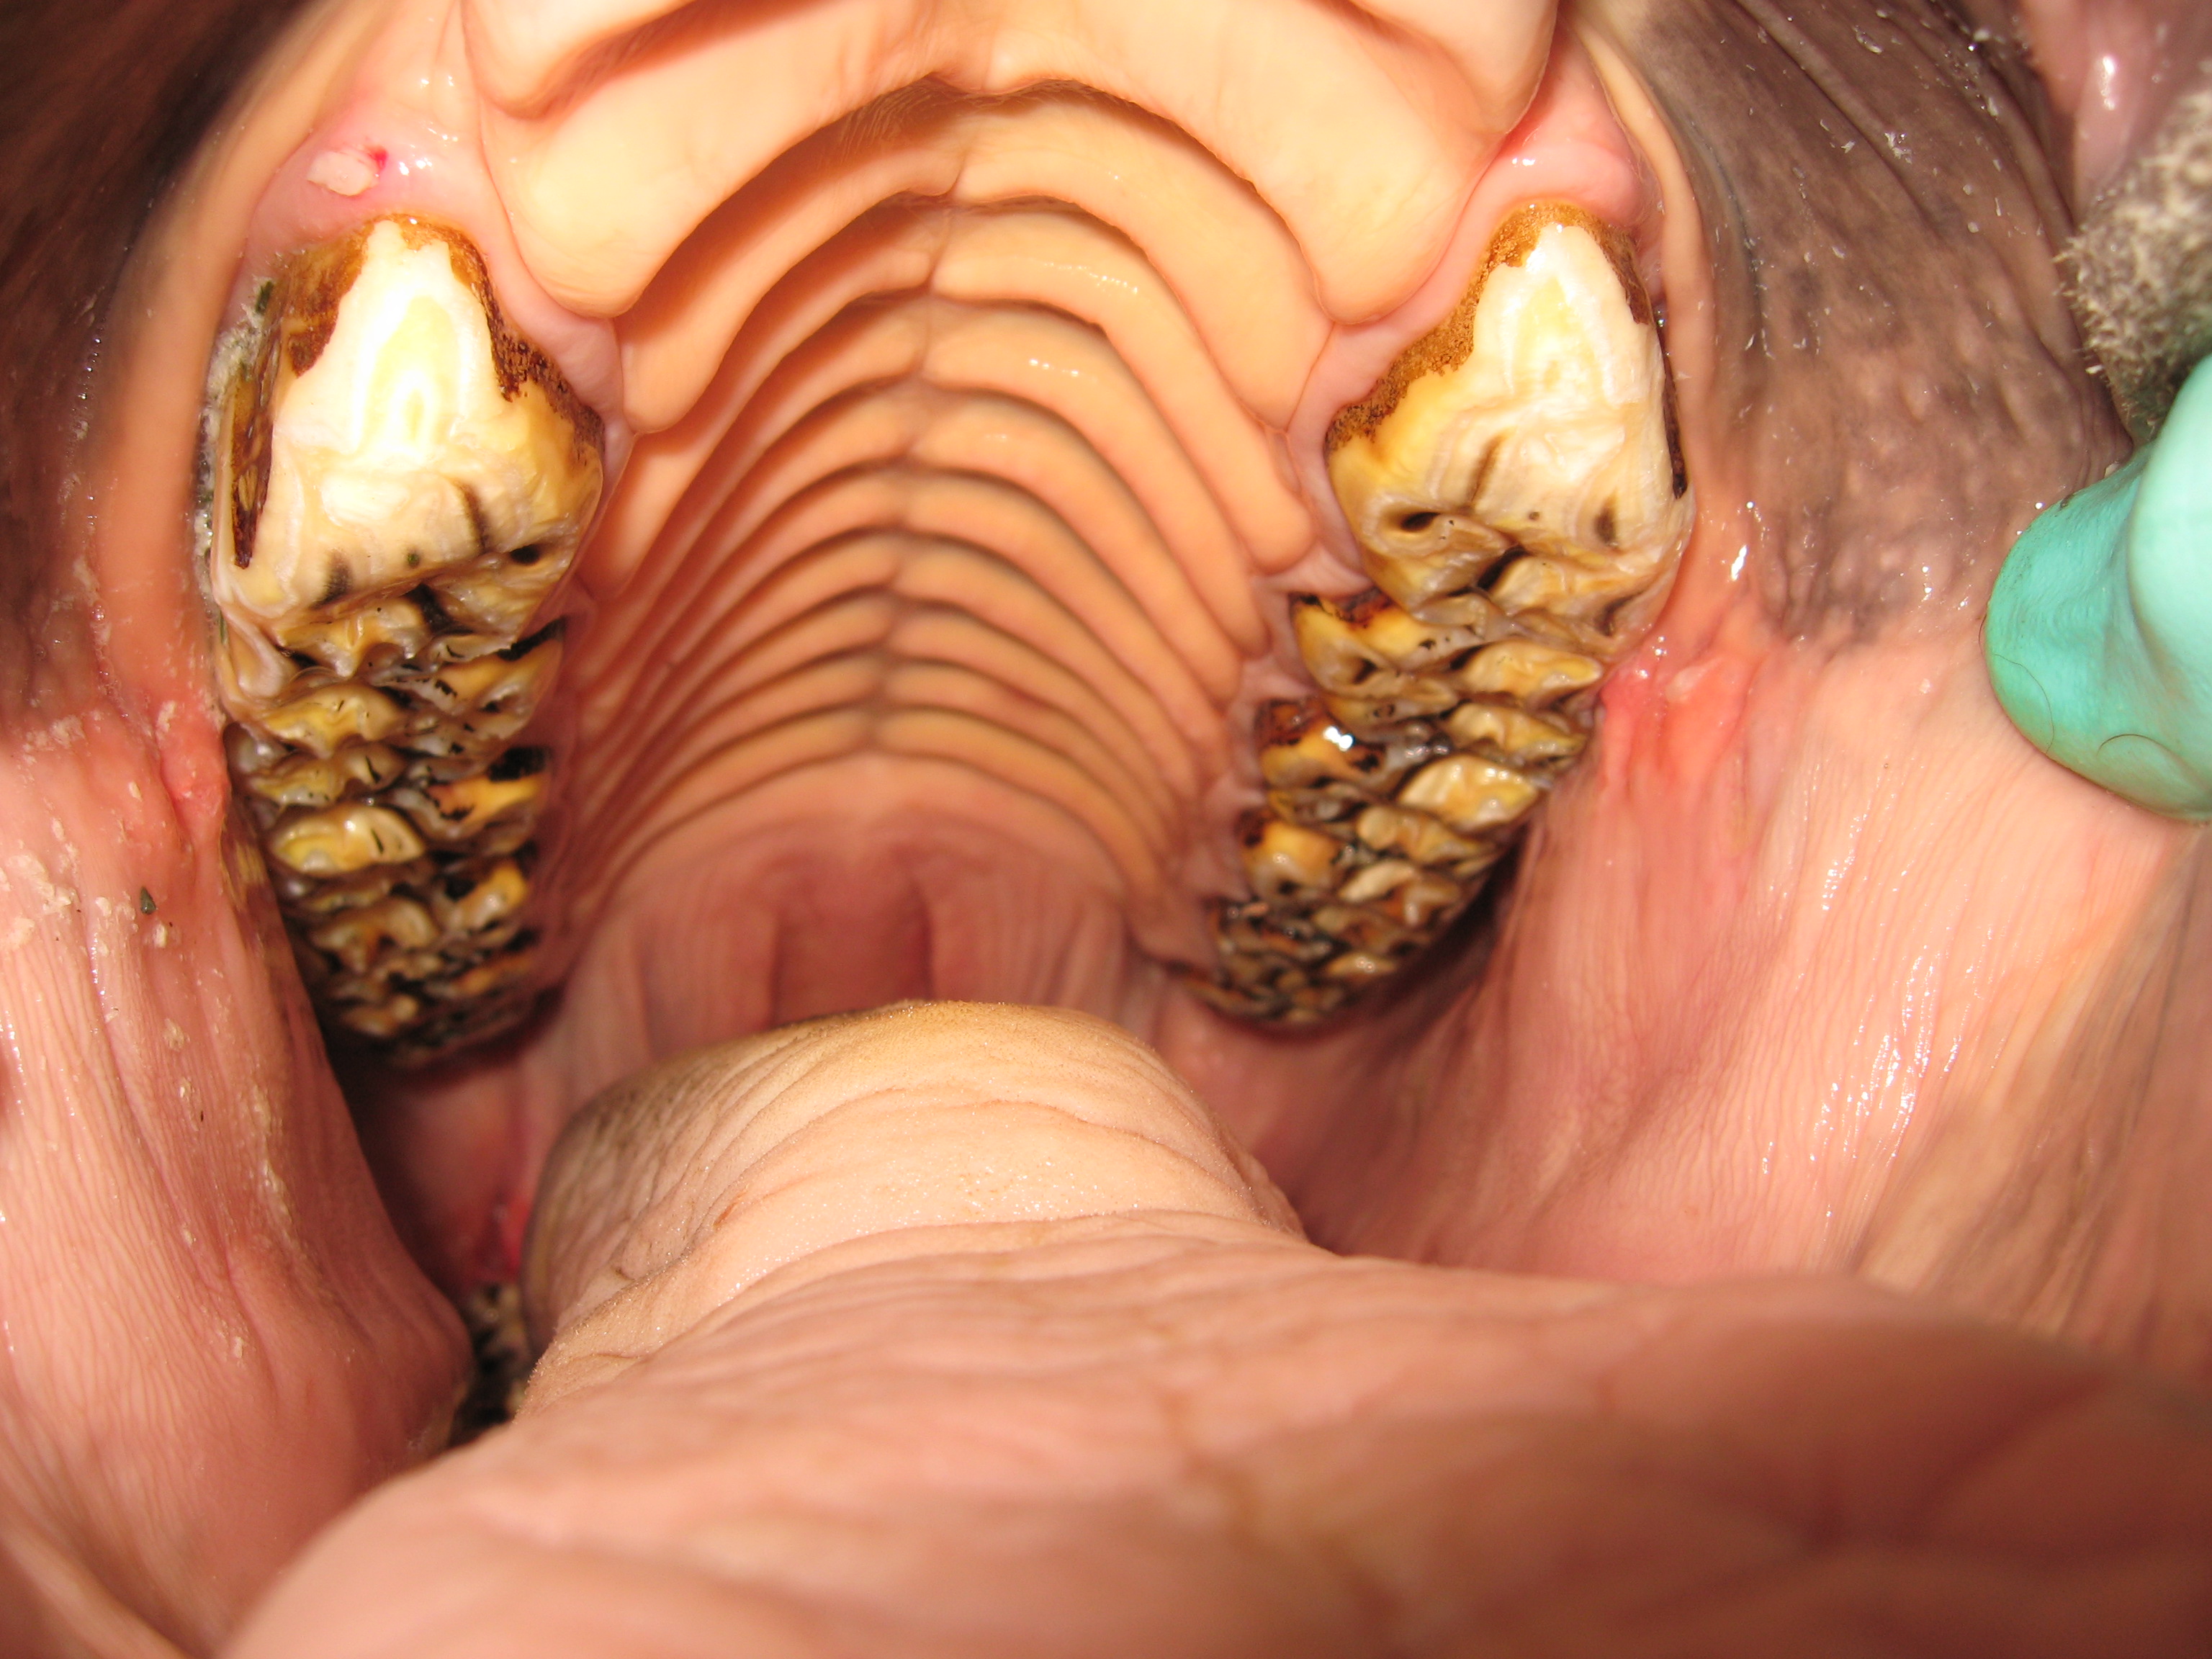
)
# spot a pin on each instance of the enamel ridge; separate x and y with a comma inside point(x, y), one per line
point(1516, 486)
point(396, 485)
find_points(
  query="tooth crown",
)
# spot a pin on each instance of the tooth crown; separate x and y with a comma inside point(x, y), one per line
point(1516, 486)
point(398, 484)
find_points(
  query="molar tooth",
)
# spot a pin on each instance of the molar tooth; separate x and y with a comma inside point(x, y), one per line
point(313, 780)
point(1533, 675)
point(389, 427)
point(305, 898)
point(1379, 880)
point(477, 905)
point(1517, 738)
point(459, 812)
point(1282, 859)
point(342, 840)
point(1537, 417)
point(1469, 795)
point(1517, 491)
point(382, 1018)
point(1414, 835)
point(359, 937)
point(331, 717)
point(1348, 647)
point(398, 486)
point(358, 642)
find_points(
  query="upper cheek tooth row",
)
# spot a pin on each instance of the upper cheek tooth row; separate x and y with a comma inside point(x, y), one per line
point(1516, 488)
point(396, 487)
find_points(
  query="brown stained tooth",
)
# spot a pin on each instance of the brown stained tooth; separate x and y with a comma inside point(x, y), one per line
point(399, 485)
point(477, 905)
point(1521, 459)
point(358, 938)
point(1516, 487)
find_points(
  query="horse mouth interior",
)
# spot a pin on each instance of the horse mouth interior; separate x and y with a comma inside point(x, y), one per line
point(1014, 540)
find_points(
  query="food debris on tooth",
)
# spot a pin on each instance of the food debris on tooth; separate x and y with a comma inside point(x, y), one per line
point(396, 484)
point(1515, 485)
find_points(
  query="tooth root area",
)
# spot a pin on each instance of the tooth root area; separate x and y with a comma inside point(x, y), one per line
point(1516, 486)
point(397, 486)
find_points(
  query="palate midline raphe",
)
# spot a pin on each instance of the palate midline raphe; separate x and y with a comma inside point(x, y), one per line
point(396, 485)
point(1516, 486)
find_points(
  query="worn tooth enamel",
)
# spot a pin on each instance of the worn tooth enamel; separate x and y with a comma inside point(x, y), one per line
point(378, 637)
point(331, 717)
point(476, 905)
point(308, 896)
point(313, 780)
point(342, 840)
point(1535, 419)
point(382, 1019)
point(1515, 735)
point(494, 695)
point(462, 810)
point(1533, 675)
point(1347, 648)
point(1301, 746)
point(1516, 487)
point(393, 432)
point(1377, 881)
point(358, 937)
point(1378, 718)
point(397, 485)
point(1469, 795)
point(1414, 834)
point(1282, 858)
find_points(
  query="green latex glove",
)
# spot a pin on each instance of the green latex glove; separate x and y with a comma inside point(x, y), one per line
point(2100, 633)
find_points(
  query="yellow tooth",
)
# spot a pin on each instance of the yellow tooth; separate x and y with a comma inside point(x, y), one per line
point(397, 486)
point(480, 905)
point(329, 718)
point(392, 432)
point(1421, 838)
point(460, 811)
point(358, 937)
point(1287, 857)
point(1515, 485)
point(1469, 795)
point(1533, 675)
point(1345, 646)
point(1377, 881)
point(1519, 739)
point(311, 780)
point(341, 840)
point(380, 635)
point(1537, 417)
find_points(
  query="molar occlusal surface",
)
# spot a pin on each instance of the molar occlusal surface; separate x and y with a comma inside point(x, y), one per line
point(399, 483)
point(1516, 489)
